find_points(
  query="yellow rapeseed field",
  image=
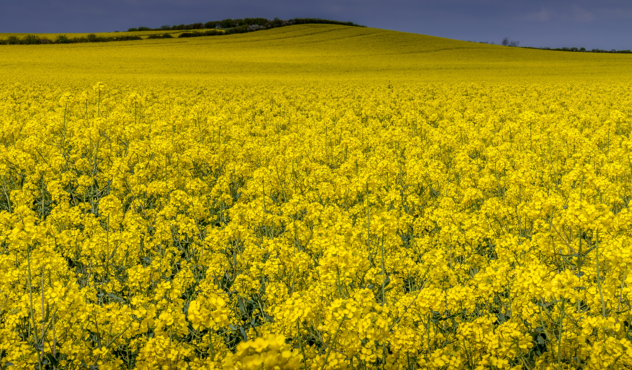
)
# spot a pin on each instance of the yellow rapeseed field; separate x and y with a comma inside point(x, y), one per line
point(314, 197)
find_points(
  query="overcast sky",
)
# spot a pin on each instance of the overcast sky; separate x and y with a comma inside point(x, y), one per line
point(605, 24)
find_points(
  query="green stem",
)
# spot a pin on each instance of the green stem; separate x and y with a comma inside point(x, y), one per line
point(603, 303)
point(300, 343)
point(332, 342)
point(28, 260)
point(559, 342)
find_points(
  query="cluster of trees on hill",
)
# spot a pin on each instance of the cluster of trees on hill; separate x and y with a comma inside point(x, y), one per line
point(249, 24)
point(584, 50)
point(506, 42)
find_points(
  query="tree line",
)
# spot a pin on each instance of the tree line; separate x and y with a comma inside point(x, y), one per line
point(507, 42)
point(214, 28)
point(244, 23)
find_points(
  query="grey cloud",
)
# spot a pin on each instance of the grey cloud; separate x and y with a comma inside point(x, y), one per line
point(579, 14)
point(543, 15)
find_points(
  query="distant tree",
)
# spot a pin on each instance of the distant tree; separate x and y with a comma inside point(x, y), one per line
point(144, 28)
point(257, 21)
point(227, 23)
point(582, 49)
point(132, 30)
point(62, 39)
point(165, 27)
point(30, 39)
point(507, 42)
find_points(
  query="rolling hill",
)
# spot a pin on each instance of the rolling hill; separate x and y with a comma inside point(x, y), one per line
point(306, 52)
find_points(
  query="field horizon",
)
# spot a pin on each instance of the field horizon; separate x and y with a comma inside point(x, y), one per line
point(308, 52)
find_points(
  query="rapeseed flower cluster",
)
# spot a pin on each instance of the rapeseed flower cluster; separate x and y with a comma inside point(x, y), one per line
point(326, 226)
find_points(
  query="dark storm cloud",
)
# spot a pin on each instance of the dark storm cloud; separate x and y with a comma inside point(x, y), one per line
point(602, 24)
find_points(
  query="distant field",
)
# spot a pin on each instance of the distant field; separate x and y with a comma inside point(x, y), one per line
point(314, 197)
point(310, 52)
